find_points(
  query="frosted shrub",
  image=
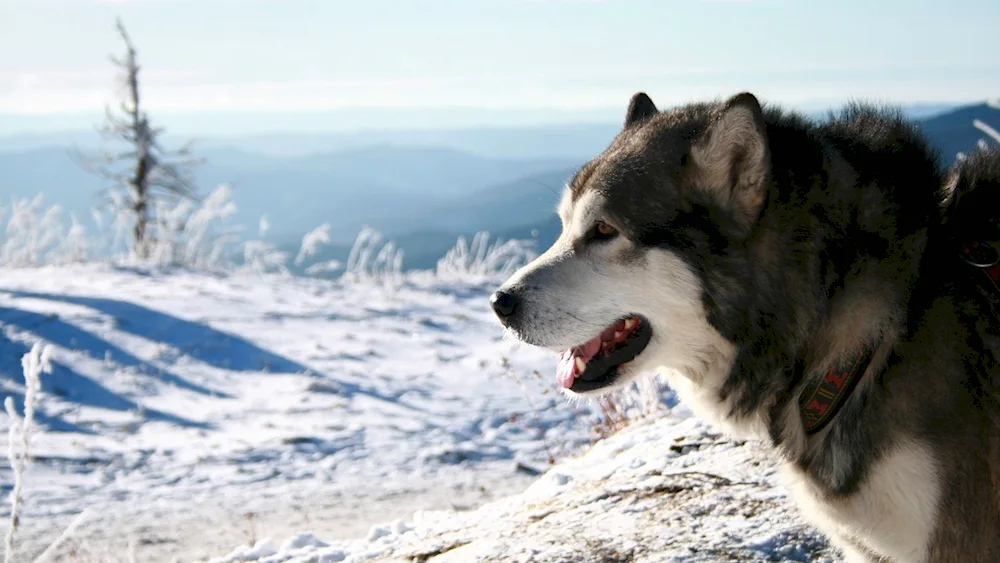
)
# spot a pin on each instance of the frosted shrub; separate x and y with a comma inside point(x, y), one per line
point(31, 233)
point(19, 440)
point(35, 236)
point(982, 126)
point(167, 232)
point(261, 256)
point(183, 232)
point(206, 242)
point(986, 128)
point(74, 248)
point(990, 131)
point(312, 242)
point(194, 235)
point(484, 259)
point(374, 261)
point(645, 397)
point(361, 253)
point(325, 267)
point(122, 223)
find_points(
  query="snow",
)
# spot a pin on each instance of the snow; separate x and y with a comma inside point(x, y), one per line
point(661, 490)
point(188, 413)
point(253, 417)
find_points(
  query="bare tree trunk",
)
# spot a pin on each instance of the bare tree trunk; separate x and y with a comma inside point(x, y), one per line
point(150, 172)
point(140, 129)
point(140, 246)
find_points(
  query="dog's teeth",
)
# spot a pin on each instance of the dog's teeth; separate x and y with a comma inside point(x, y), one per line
point(580, 364)
point(629, 323)
point(617, 335)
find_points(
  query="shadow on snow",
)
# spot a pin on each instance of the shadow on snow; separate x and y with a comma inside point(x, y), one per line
point(202, 342)
point(71, 386)
point(53, 329)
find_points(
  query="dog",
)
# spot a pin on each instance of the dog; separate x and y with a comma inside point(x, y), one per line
point(806, 283)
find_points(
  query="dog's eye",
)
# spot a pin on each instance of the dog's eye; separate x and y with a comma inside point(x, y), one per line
point(603, 231)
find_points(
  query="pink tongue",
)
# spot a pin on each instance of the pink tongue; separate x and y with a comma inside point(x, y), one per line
point(566, 371)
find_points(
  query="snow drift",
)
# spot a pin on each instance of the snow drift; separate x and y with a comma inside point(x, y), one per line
point(661, 490)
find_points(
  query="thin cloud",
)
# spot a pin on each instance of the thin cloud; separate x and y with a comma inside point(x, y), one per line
point(488, 93)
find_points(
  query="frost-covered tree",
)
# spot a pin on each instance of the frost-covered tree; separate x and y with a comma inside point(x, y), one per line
point(990, 131)
point(142, 174)
point(986, 128)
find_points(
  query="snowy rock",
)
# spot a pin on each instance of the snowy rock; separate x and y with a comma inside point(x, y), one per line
point(624, 500)
point(378, 532)
point(301, 541)
point(260, 551)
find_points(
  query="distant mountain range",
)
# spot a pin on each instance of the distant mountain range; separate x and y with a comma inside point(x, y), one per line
point(389, 187)
point(422, 188)
point(566, 134)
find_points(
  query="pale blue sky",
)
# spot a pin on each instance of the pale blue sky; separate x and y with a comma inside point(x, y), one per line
point(317, 55)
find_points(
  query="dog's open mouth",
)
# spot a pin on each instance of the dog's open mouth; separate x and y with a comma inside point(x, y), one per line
point(595, 364)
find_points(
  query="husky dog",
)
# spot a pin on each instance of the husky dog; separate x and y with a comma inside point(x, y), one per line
point(803, 283)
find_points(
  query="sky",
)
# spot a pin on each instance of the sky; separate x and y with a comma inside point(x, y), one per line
point(302, 57)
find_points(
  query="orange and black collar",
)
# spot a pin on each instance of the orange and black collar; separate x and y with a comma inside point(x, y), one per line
point(821, 401)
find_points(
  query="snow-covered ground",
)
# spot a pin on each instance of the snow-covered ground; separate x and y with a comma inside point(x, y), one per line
point(665, 490)
point(189, 413)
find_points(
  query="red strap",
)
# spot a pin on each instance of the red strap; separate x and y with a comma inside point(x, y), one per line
point(821, 403)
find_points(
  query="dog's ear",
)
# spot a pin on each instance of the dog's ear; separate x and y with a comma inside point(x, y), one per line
point(732, 159)
point(640, 108)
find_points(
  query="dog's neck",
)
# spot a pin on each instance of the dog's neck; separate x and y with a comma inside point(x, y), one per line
point(824, 393)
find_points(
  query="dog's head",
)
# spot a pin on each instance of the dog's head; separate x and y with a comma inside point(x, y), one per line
point(622, 290)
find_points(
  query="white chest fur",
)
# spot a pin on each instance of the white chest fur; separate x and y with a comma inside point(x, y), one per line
point(893, 514)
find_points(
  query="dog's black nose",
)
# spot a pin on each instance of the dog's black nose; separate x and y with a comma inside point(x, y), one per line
point(504, 304)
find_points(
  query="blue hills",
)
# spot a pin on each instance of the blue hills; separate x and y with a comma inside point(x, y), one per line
point(421, 188)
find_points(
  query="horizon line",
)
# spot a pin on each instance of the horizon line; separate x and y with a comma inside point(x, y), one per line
point(525, 117)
